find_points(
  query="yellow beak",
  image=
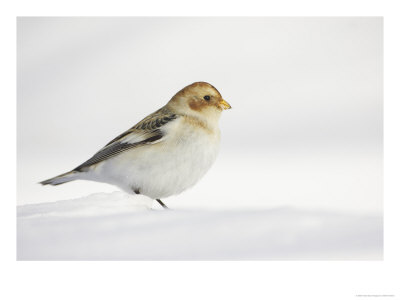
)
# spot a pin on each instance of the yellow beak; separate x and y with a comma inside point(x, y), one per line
point(224, 105)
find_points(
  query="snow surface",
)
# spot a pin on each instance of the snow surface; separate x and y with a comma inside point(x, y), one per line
point(117, 226)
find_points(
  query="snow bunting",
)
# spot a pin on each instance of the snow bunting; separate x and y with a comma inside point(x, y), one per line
point(165, 153)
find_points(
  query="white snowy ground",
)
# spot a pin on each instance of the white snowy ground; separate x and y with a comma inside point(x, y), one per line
point(115, 226)
point(289, 207)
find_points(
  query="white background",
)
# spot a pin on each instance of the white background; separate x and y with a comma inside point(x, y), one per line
point(306, 125)
point(258, 280)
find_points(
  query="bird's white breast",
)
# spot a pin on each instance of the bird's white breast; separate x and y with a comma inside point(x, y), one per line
point(166, 168)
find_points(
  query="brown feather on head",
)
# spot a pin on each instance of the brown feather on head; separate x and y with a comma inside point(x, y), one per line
point(200, 96)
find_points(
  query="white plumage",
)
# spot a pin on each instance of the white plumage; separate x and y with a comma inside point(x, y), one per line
point(162, 169)
point(164, 154)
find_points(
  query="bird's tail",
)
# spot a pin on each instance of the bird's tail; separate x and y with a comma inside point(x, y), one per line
point(60, 179)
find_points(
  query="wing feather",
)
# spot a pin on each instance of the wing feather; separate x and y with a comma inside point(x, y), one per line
point(147, 131)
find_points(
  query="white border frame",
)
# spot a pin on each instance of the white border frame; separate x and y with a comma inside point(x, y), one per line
point(199, 280)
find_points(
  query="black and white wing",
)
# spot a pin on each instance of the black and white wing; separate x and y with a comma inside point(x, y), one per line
point(147, 131)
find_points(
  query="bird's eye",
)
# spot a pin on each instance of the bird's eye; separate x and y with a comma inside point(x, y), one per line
point(207, 98)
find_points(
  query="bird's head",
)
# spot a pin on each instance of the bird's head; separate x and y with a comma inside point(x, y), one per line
point(199, 99)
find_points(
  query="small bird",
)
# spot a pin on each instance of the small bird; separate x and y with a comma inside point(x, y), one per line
point(165, 153)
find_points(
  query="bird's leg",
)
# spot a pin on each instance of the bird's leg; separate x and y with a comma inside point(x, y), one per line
point(162, 204)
